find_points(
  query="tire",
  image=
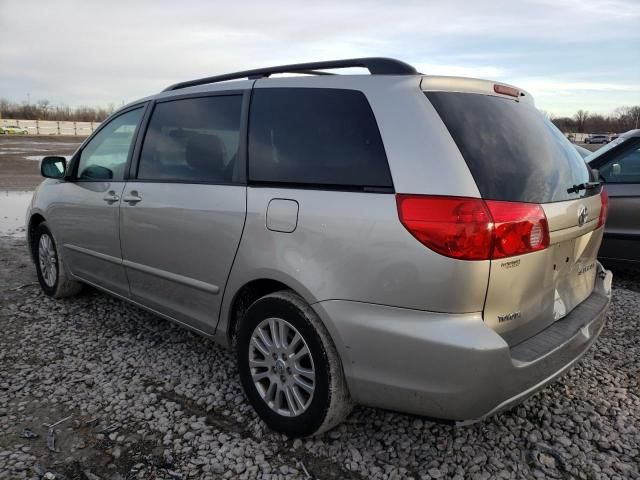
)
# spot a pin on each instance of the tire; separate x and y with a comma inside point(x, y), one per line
point(52, 274)
point(276, 401)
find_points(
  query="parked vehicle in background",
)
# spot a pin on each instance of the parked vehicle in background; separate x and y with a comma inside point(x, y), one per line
point(619, 167)
point(408, 246)
point(582, 151)
point(13, 129)
point(596, 138)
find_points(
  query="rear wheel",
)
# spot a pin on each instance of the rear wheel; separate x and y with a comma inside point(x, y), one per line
point(52, 275)
point(289, 367)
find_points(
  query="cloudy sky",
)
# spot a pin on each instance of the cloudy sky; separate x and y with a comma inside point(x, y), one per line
point(569, 54)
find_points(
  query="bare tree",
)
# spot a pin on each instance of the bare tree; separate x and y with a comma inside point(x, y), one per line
point(43, 106)
point(627, 117)
point(581, 117)
point(44, 110)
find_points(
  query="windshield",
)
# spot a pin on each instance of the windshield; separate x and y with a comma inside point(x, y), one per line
point(604, 149)
point(513, 152)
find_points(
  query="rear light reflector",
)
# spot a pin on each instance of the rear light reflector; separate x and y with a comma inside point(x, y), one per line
point(604, 209)
point(472, 228)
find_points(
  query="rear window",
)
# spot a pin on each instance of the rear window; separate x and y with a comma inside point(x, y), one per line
point(513, 152)
point(314, 136)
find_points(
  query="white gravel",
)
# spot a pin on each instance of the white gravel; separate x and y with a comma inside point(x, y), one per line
point(151, 400)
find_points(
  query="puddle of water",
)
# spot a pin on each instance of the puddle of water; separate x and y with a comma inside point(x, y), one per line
point(37, 158)
point(21, 151)
point(13, 208)
point(5, 146)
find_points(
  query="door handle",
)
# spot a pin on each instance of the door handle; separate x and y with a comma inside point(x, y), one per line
point(111, 197)
point(132, 198)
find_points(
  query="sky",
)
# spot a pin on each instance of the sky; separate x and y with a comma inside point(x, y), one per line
point(569, 54)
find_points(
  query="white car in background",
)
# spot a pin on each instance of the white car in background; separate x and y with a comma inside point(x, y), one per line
point(596, 138)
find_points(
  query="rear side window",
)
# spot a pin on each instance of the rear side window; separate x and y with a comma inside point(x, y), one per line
point(313, 136)
point(193, 140)
point(513, 152)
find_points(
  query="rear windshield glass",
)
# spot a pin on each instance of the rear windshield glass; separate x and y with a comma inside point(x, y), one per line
point(513, 152)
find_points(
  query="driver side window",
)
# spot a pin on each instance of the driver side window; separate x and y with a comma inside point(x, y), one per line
point(105, 156)
point(623, 169)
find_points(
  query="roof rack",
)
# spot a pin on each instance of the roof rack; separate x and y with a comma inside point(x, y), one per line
point(375, 65)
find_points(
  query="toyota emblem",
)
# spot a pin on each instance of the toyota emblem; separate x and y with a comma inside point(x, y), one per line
point(583, 215)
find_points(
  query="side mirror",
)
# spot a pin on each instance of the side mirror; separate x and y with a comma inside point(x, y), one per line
point(53, 167)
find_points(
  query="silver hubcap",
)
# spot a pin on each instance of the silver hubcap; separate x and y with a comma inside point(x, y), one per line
point(281, 367)
point(48, 260)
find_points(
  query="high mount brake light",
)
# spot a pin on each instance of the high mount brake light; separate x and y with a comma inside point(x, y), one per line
point(604, 209)
point(504, 90)
point(472, 228)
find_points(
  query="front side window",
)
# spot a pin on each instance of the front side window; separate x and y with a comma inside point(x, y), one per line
point(623, 169)
point(314, 136)
point(105, 156)
point(193, 140)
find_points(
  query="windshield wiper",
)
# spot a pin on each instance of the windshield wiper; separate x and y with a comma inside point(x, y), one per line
point(583, 186)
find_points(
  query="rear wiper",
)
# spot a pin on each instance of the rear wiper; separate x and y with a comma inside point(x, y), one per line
point(583, 186)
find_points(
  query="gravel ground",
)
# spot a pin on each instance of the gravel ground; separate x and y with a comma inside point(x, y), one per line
point(147, 399)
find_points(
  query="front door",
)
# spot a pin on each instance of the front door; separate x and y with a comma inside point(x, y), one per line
point(622, 230)
point(87, 216)
point(182, 216)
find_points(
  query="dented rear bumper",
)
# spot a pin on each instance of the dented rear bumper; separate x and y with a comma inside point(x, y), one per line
point(454, 367)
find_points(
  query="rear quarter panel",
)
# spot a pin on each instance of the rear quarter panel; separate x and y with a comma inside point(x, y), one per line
point(351, 246)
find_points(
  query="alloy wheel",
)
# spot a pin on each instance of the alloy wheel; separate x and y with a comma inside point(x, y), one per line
point(281, 367)
point(48, 260)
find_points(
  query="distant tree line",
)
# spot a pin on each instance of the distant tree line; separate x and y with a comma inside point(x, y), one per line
point(621, 120)
point(44, 110)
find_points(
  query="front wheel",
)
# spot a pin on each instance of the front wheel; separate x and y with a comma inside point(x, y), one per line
point(289, 367)
point(52, 275)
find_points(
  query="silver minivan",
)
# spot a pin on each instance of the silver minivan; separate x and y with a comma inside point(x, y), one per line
point(404, 241)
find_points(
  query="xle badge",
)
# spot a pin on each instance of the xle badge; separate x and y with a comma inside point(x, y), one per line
point(507, 317)
point(585, 268)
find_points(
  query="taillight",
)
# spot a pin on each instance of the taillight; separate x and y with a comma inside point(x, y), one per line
point(453, 226)
point(604, 209)
point(474, 229)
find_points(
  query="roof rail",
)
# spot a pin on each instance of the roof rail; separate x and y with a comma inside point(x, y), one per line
point(375, 65)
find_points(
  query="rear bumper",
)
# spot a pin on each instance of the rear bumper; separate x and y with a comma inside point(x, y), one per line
point(449, 366)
